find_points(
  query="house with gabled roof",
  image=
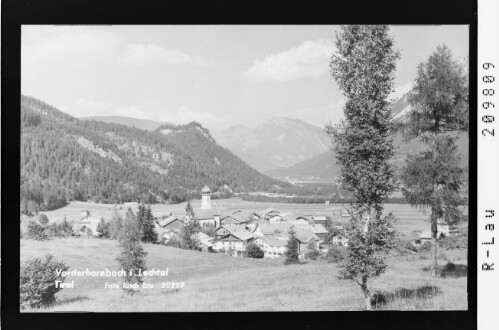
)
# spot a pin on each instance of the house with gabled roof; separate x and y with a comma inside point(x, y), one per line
point(205, 243)
point(275, 219)
point(300, 221)
point(269, 213)
point(234, 242)
point(273, 247)
point(320, 219)
point(170, 220)
point(306, 217)
point(340, 238)
point(172, 223)
point(168, 228)
point(251, 227)
point(205, 217)
point(167, 234)
point(318, 230)
point(226, 229)
point(235, 218)
point(304, 237)
point(86, 227)
point(239, 215)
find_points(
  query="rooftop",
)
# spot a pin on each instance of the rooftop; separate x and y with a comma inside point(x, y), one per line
point(205, 190)
point(206, 214)
point(272, 241)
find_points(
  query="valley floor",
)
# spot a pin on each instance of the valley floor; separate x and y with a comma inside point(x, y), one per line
point(409, 218)
point(216, 282)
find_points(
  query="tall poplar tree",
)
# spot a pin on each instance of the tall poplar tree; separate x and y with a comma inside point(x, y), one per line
point(433, 178)
point(364, 67)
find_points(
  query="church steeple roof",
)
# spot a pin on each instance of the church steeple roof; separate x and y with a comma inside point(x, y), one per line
point(205, 190)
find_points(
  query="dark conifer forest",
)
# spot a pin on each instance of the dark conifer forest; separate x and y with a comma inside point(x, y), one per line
point(65, 159)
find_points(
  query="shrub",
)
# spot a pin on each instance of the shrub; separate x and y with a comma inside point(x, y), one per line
point(37, 286)
point(35, 231)
point(174, 242)
point(378, 299)
point(43, 219)
point(335, 254)
point(449, 267)
point(292, 248)
point(312, 252)
point(89, 232)
point(103, 229)
point(425, 246)
point(254, 251)
point(65, 229)
point(209, 230)
point(409, 246)
point(52, 230)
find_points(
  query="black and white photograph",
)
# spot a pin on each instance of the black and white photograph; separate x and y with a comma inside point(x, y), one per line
point(244, 168)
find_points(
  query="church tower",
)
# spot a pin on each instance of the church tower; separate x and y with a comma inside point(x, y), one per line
point(205, 198)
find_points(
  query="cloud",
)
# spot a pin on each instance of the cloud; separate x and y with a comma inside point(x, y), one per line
point(90, 108)
point(183, 115)
point(151, 53)
point(310, 59)
point(72, 45)
point(76, 46)
point(186, 115)
point(131, 111)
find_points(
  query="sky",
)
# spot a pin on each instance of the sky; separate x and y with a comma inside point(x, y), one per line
point(218, 75)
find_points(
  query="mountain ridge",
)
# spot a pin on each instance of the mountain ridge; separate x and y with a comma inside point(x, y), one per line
point(64, 158)
point(324, 167)
point(145, 124)
point(275, 143)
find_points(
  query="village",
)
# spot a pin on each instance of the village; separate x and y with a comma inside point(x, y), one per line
point(231, 230)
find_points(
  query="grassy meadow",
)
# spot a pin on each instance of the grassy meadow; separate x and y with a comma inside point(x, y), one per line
point(216, 282)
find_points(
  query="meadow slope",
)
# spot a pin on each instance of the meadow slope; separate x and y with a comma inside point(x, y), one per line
point(216, 282)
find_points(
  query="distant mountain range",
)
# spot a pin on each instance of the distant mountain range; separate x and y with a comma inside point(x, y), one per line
point(291, 148)
point(323, 166)
point(279, 142)
point(64, 158)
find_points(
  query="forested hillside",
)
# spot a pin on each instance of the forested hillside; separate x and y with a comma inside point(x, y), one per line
point(63, 159)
